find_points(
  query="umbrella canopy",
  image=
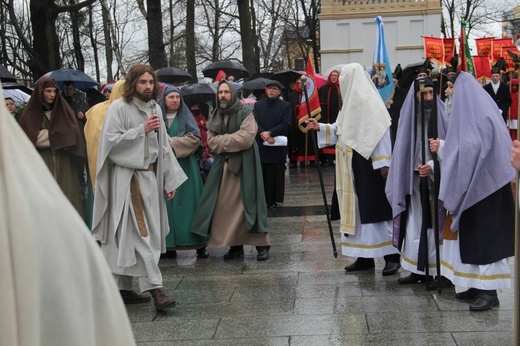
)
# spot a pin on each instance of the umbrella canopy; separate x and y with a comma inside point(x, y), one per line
point(261, 75)
point(11, 85)
point(335, 67)
point(6, 76)
point(237, 85)
point(233, 68)
point(198, 92)
point(248, 101)
point(17, 95)
point(108, 85)
point(94, 97)
point(173, 75)
point(81, 80)
point(287, 76)
point(409, 74)
point(255, 84)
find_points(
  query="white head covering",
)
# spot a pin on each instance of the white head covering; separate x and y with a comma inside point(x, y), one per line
point(363, 118)
point(56, 288)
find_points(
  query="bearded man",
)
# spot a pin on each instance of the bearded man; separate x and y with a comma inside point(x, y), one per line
point(403, 184)
point(232, 208)
point(135, 169)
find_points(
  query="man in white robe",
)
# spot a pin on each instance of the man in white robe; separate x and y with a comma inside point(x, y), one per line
point(135, 169)
point(363, 151)
point(56, 287)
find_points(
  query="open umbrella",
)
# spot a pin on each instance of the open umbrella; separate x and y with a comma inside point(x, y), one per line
point(80, 79)
point(173, 75)
point(409, 74)
point(237, 85)
point(335, 67)
point(17, 95)
point(255, 84)
point(233, 68)
point(12, 85)
point(198, 92)
point(261, 75)
point(248, 101)
point(286, 77)
point(6, 76)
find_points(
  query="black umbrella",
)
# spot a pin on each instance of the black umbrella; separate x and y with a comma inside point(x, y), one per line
point(409, 74)
point(173, 75)
point(255, 84)
point(232, 68)
point(198, 92)
point(286, 77)
point(261, 75)
point(80, 79)
point(94, 97)
point(6, 76)
point(12, 85)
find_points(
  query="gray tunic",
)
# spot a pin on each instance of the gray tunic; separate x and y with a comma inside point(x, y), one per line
point(126, 150)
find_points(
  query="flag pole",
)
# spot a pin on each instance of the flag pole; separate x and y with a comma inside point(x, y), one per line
point(517, 232)
point(303, 79)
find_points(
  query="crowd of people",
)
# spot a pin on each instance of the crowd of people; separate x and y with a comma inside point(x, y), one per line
point(152, 175)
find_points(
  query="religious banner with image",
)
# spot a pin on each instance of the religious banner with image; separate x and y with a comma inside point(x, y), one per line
point(482, 65)
point(434, 49)
point(498, 43)
point(484, 46)
point(449, 50)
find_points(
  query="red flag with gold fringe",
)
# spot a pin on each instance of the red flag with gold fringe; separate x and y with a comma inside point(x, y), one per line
point(482, 67)
point(449, 50)
point(314, 101)
point(434, 49)
point(496, 51)
point(484, 46)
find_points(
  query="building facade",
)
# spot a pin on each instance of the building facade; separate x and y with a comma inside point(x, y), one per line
point(348, 30)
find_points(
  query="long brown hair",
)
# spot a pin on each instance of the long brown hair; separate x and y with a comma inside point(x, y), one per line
point(132, 77)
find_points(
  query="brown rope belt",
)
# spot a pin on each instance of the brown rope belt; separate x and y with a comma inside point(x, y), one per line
point(137, 202)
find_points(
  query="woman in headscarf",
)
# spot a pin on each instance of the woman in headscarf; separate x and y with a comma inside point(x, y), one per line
point(185, 141)
point(51, 126)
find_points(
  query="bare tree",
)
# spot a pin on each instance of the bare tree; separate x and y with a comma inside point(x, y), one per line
point(478, 14)
point(153, 15)
point(191, 60)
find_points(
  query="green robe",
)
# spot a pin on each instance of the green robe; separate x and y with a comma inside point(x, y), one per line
point(181, 209)
point(66, 170)
point(249, 169)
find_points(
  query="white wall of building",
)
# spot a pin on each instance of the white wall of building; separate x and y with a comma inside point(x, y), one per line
point(353, 40)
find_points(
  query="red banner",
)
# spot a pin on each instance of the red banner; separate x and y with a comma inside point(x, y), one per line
point(434, 49)
point(498, 43)
point(482, 67)
point(484, 46)
point(449, 50)
point(314, 101)
point(508, 58)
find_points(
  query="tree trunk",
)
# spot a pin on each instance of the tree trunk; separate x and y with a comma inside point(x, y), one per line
point(80, 59)
point(45, 40)
point(108, 41)
point(249, 57)
point(215, 47)
point(191, 61)
point(93, 41)
point(155, 34)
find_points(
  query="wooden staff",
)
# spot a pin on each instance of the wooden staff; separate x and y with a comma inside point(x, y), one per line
point(303, 79)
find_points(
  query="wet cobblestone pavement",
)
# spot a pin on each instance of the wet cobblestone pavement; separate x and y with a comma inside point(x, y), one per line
point(302, 295)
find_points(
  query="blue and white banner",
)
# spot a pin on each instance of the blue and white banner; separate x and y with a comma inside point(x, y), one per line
point(382, 70)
